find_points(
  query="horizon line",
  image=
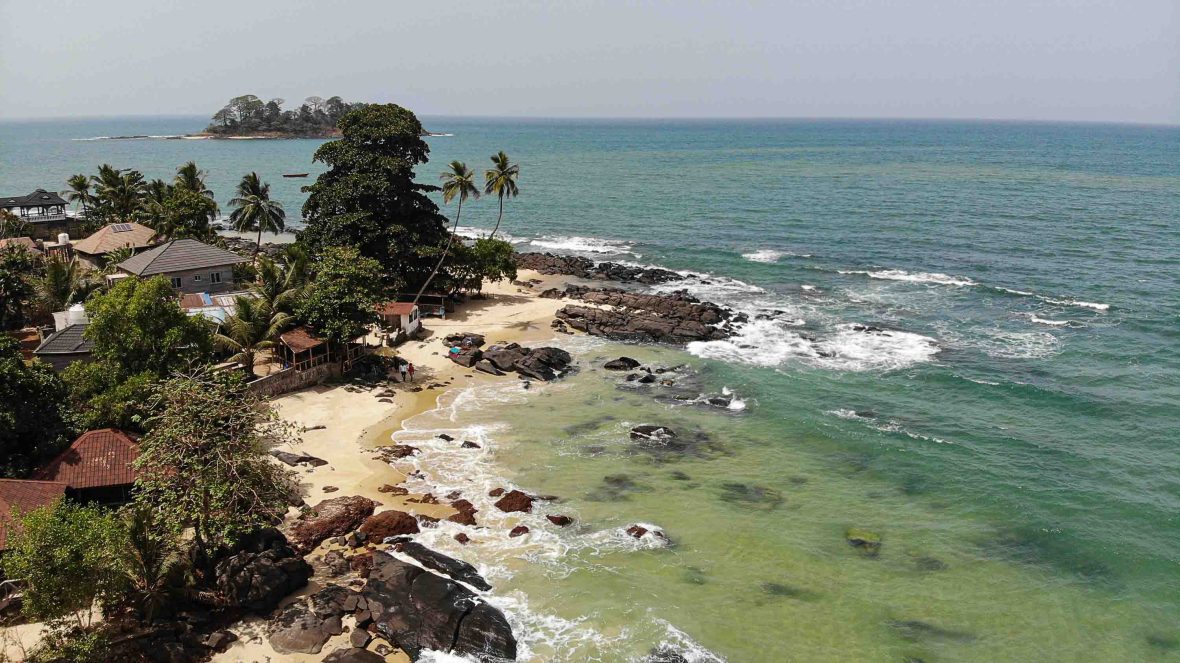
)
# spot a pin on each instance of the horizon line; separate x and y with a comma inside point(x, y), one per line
point(653, 118)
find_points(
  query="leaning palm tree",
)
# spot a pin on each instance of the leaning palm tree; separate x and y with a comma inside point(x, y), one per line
point(255, 209)
point(64, 283)
point(459, 182)
point(500, 180)
point(250, 330)
point(79, 191)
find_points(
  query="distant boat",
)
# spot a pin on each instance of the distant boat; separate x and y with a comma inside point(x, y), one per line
point(294, 174)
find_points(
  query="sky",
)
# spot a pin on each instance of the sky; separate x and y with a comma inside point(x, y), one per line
point(1087, 60)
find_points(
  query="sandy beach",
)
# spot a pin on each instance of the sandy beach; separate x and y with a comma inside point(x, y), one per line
point(345, 424)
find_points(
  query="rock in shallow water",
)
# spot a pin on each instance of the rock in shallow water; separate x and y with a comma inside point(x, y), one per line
point(869, 543)
point(389, 523)
point(621, 364)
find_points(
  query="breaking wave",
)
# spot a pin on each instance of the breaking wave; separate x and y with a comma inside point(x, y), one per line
point(912, 277)
point(578, 244)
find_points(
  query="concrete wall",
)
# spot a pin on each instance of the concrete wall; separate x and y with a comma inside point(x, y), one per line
point(288, 380)
point(190, 284)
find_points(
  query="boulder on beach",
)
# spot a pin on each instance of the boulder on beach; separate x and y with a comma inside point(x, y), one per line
point(298, 630)
point(389, 523)
point(466, 357)
point(485, 366)
point(294, 459)
point(621, 364)
point(515, 501)
point(333, 517)
point(259, 571)
point(355, 654)
point(418, 610)
point(458, 339)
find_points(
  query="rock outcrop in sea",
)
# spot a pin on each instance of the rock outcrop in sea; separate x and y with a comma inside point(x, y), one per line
point(585, 268)
point(675, 318)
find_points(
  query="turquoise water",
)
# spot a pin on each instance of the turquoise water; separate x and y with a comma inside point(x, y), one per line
point(1017, 422)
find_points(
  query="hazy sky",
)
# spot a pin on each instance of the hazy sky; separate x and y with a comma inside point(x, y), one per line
point(1023, 59)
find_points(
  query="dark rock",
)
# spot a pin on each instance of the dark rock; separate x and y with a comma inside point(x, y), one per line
point(330, 489)
point(560, 521)
point(485, 366)
point(334, 563)
point(650, 432)
point(360, 638)
point(458, 339)
point(466, 512)
point(495, 492)
point(354, 655)
point(393, 490)
point(636, 531)
point(769, 498)
point(869, 543)
point(389, 523)
point(504, 357)
point(468, 444)
point(298, 630)
point(332, 601)
point(676, 318)
point(420, 610)
point(621, 364)
point(219, 640)
point(467, 357)
point(548, 263)
point(665, 654)
point(519, 530)
point(647, 379)
point(454, 568)
point(260, 571)
point(462, 537)
point(444, 437)
point(396, 451)
point(361, 564)
point(543, 363)
point(333, 517)
point(294, 459)
point(515, 501)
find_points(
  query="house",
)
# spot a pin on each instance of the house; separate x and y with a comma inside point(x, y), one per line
point(301, 349)
point(43, 211)
point(94, 249)
point(19, 497)
point(193, 266)
point(97, 467)
point(400, 317)
point(65, 347)
point(26, 243)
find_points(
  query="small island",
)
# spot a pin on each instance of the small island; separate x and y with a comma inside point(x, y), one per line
point(248, 116)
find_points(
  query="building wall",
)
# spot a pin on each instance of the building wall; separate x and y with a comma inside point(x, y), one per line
point(49, 230)
point(190, 284)
point(59, 362)
point(288, 380)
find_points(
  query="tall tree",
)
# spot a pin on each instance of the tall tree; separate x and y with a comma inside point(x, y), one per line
point(253, 328)
point(279, 284)
point(32, 411)
point(16, 285)
point(458, 182)
point(254, 209)
point(79, 191)
point(343, 294)
point(138, 325)
point(368, 197)
point(119, 193)
point(500, 180)
point(203, 464)
point(64, 282)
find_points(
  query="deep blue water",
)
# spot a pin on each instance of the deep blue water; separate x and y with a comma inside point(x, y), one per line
point(1027, 274)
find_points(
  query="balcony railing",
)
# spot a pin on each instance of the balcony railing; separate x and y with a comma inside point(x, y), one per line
point(43, 218)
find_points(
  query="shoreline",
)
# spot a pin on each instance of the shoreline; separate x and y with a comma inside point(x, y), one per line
point(346, 423)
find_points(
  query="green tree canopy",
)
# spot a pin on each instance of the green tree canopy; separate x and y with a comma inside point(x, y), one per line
point(343, 294)
point(138, 326)
point(203, 463)
point(368, 197)
point(32, 412)
point(16, 285)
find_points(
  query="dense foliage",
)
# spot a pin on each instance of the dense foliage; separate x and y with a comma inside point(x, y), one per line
point(16, 286)
point(247, 114)
point(32, 416)
point(203, 463)
point(368, 198)
point(343, 294)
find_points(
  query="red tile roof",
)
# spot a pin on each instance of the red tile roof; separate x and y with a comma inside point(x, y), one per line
point(20, 497)
point(97, 459)
point(301, 339)
point(396, 308)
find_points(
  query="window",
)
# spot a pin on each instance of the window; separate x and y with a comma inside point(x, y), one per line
point(215, 277)
point(176, 282)
point(197, 278)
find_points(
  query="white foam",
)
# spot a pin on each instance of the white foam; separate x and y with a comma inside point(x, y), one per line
point(480, 233)
point(1045, 321)
point(845, 413)
point(764, 255)
point(579, 244)
point(913, 277)
point(1095, 306)
point(855, 350)
point(807, 287)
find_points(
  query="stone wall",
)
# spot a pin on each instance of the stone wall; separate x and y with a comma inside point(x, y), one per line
point(289, 379)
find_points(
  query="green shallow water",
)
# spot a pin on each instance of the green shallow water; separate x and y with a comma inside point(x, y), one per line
point(759, 569)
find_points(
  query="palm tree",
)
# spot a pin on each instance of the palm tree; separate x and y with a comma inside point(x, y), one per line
point(65, 282)
point(156, 193)
point(279, 285)
point(190, 177)
point(12, 225)
point(500, 179)
point(79, 191)
point(251, 329)
point(457, 181)
point(116, 256)
point(255, 210)
point(120, 191)
point(151, 563)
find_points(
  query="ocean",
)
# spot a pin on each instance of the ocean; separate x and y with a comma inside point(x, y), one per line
point(1010, 432)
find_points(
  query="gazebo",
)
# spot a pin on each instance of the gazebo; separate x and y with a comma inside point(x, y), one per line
point(301, 349)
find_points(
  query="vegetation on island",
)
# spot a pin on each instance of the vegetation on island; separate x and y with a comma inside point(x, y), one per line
point(372, 233)
point(248, 115)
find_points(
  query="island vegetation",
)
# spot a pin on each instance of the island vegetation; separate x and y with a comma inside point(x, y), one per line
point(205, 484)
point(249, 116)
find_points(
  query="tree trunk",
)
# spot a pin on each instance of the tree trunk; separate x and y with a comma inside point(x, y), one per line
point(444, 255)
point(258, 245)
point(498, 218)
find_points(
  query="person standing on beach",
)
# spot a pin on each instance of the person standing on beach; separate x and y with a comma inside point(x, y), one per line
point(401, 368)
point(410, 369)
